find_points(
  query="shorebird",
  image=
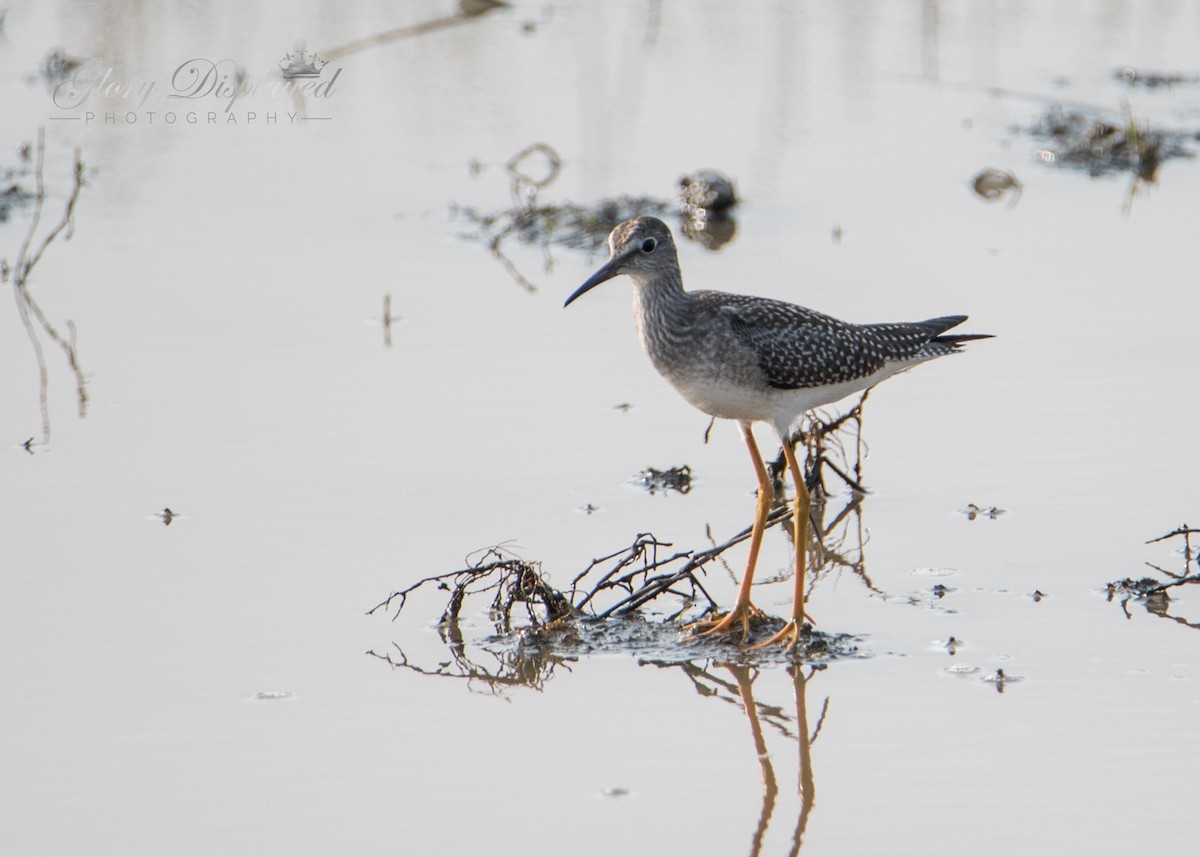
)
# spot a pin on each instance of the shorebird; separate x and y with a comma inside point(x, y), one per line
point(752, 359)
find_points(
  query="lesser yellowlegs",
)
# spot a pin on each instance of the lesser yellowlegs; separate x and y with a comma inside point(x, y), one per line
point(750, 359)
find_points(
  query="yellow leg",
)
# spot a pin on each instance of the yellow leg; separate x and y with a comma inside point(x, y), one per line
point(791, 632)
point(743, 610)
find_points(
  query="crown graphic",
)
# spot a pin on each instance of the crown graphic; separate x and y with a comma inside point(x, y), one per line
point(301, 64)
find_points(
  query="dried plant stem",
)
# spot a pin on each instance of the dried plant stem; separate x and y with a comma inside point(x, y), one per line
point(27, 307)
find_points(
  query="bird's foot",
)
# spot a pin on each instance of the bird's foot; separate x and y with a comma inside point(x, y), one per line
point(789, 635)
point(740, 614)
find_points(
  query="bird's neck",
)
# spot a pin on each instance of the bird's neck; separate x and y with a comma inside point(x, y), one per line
point(662, 310)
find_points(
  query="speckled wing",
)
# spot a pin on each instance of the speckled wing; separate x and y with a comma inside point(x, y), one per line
point(799, 348)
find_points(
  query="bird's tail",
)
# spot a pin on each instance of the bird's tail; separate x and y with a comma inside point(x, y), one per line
point(955, 340)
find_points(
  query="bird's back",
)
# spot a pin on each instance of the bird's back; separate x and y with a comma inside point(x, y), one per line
point(795, 347)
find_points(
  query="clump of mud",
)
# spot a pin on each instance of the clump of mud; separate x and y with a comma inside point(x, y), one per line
point(1100, 146)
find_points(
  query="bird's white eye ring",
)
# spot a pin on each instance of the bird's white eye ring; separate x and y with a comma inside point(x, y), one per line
point(648, 245)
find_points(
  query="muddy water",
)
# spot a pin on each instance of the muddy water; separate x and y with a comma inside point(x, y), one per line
point(203, 687)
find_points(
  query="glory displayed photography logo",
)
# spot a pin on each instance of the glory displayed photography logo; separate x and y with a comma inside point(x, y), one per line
point(301, 64)
point(199, 91)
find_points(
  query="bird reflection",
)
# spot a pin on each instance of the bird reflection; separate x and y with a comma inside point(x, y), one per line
point(791, 725)
point(732, 683)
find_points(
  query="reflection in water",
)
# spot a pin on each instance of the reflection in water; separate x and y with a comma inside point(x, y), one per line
point(533, 667)
point(929, 40)
point(804, 736)
point(32, 318)
point(503, 668)
point(467, 10)
point(790, 727)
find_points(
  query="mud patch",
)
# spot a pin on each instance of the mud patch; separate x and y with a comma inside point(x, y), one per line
point(1100, 145)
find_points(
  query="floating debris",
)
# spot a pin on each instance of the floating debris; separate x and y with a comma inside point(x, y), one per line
point(1001, 679)
point(933, 572)
point(992, 184)
point(678, 479)
point(578, 227)
point(707, 192)
point(708, 199)
point(1093, 143)
point(1154, 593)
point(58, 66)
point(1139, 588)
point(1132, 77)
point(12, 196)
point(531, 169)
point(990, 512)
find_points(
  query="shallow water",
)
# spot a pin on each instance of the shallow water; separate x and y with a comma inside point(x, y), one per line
point(203, 686)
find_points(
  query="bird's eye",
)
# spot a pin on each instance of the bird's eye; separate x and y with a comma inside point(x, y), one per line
point(648, 245)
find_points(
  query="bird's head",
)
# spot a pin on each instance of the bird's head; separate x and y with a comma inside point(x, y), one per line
point(642, 248)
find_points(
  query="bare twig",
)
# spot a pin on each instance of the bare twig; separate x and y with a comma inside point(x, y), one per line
point(27, 308)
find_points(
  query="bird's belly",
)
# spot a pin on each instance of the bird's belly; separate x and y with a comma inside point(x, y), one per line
point(722, 398)
point(737, 400)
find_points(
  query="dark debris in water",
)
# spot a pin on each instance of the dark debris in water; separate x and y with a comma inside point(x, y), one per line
point(707, 198)
point(1000, 679)
point(1091, 142)
point(1155, 593)
point(58, 66)
point(13, 191)
point(567, 224)
point(1141, 78)
point(677, 479)
point(974, 512)
point(993, 185)
point(707, 191)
